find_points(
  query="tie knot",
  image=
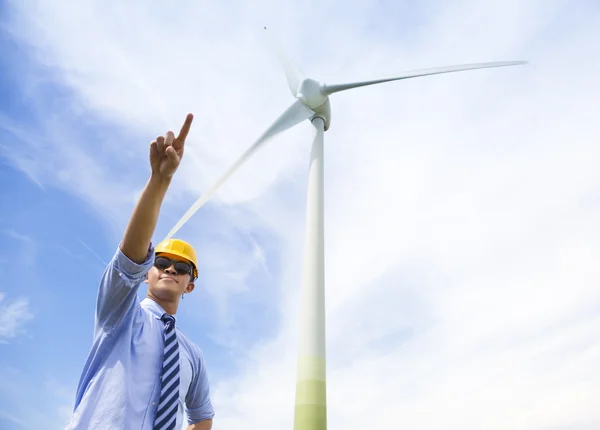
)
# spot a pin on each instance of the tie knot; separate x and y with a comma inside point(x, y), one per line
point(166, 318)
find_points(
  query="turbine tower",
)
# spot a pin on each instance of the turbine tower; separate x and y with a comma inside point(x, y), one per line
point(312, 102)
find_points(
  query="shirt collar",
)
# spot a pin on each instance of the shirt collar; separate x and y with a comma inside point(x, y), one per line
point(154, 308)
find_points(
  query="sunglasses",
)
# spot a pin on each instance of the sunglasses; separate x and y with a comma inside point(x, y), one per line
point(181, 267)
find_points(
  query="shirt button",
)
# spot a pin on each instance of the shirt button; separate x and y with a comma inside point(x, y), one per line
point(153, 403)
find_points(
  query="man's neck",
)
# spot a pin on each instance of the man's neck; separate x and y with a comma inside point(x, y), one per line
point(168, 306)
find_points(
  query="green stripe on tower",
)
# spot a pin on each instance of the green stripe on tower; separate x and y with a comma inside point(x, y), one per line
point(310, 417)
point(311, 398)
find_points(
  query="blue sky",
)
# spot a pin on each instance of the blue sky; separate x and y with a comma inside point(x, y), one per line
point(461, 218)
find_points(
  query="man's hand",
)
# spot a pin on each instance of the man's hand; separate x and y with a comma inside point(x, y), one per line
point(202, 425)
point(166, 151)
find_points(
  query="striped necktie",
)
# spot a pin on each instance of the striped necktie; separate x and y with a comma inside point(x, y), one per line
point(169, 393)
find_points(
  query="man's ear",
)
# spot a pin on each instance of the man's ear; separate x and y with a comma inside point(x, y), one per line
point(190, 287)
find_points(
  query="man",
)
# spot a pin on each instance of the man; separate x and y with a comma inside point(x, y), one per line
point(141, 370)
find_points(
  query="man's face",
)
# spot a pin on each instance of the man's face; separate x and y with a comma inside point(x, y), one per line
point(167, 280)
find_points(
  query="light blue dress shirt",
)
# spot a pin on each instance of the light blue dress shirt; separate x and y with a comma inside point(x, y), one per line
point(119, 387)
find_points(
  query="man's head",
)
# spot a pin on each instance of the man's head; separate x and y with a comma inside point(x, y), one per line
point(174, 270)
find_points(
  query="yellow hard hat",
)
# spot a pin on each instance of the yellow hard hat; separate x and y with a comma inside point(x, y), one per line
point(181, 249)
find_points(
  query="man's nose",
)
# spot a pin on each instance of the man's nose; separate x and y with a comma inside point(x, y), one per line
point(171, 269)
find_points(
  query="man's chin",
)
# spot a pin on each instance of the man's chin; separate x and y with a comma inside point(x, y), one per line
point(164, 292)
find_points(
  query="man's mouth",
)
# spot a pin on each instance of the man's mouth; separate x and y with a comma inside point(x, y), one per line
point(168, 278)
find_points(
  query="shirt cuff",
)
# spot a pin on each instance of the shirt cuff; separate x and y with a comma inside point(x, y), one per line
point(132, 270)
point(204, 411)
point(200, 414)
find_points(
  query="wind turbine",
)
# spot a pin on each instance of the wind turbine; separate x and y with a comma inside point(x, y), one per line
point(312, 102)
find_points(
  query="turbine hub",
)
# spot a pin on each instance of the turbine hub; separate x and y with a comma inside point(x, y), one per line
point(311, 93)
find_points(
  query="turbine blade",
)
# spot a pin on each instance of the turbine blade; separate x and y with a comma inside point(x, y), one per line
point(293, 74)
point(292, 116)
point(330, 89)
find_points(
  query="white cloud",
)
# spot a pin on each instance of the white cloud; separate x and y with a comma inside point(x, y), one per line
point(461, 210)
point(14, 315)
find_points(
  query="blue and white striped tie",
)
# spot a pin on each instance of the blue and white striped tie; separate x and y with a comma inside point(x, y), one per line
point(166, 415)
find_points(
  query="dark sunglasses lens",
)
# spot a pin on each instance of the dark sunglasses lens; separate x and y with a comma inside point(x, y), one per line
point(180, 267)
point(162, 262)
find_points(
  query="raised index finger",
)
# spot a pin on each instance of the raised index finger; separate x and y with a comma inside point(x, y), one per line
point(185, 128)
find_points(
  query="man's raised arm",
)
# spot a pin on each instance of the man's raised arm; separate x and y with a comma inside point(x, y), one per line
point(165, 156)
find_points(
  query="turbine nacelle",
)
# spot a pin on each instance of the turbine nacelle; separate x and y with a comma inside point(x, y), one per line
point(311, 93)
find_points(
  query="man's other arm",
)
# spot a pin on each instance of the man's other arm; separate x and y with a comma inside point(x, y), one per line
point(201, 425)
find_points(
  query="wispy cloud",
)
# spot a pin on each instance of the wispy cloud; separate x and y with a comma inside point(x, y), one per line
point(18, 389)
point(18, 158)
point(19, 236)
point(14, 420)
point(93, 253)
point(14, 315)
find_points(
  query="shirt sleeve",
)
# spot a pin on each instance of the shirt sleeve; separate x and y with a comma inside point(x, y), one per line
point(117, 294)
point(198, 404)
